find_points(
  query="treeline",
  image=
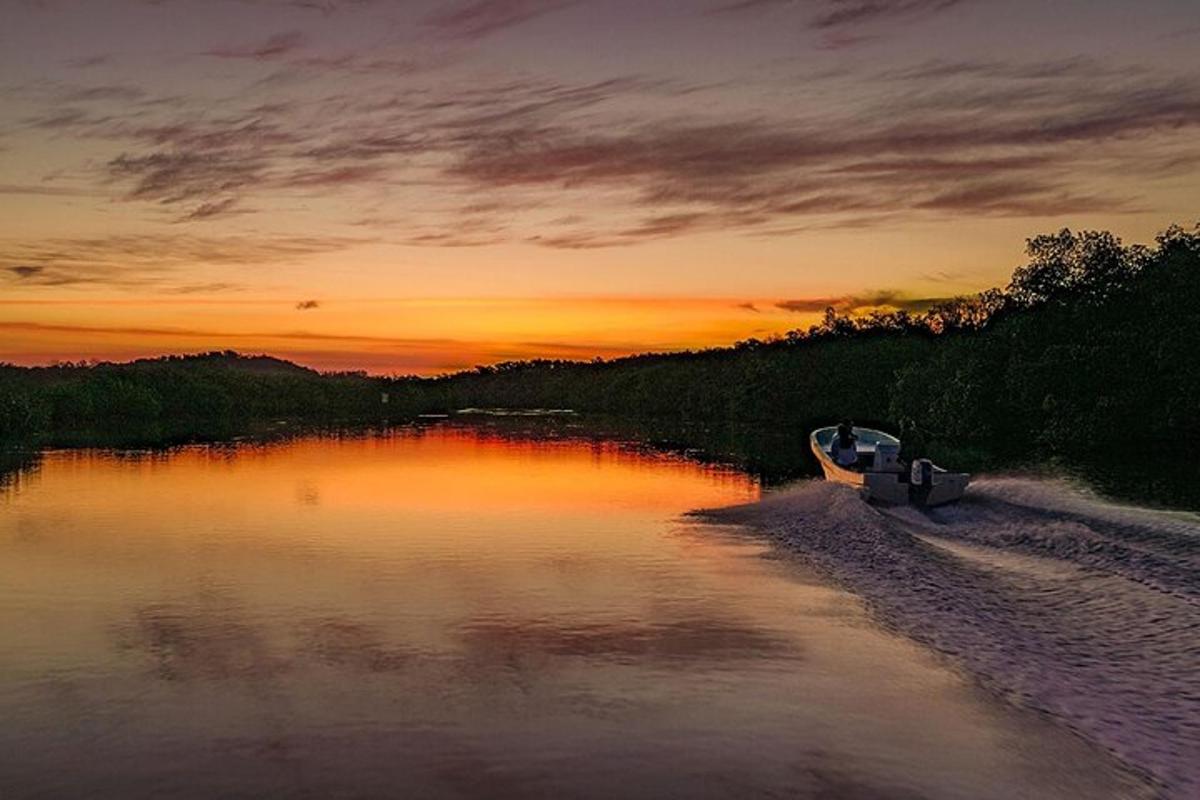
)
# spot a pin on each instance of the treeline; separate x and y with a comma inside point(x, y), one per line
point(178, 395)
point(1093, 348)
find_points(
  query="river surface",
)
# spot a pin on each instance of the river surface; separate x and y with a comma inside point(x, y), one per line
point(451, 612)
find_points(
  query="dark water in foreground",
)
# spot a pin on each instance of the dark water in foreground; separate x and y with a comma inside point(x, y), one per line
point(452, 612)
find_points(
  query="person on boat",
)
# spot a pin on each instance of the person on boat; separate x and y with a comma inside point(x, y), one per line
point(844, 449)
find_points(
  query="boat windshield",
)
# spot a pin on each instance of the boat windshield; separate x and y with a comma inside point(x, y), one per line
point(867, 438)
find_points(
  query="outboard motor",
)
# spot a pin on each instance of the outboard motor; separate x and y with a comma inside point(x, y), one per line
point(920, 481)
point(887, 458)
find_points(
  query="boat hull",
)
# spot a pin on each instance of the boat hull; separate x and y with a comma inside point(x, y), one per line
point(889, 488)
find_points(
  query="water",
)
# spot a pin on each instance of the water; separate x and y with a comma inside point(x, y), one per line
point(1052, 597)
point(451, 612)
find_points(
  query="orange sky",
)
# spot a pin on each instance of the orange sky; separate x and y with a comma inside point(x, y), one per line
point(422, 187)
point(384, 335)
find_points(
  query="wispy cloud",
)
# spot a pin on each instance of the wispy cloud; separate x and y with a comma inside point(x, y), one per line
point(120, 93)
point(328, 7)
point(750, 5)
point(480, 18)
point(212, 287)
point(159, 260)
point(26, 272)
point(943, 276)
point(838, 17)
point(174, 177)
point(861, 302)
point(1056, 69)
point(847, 13)
point(215, 209)
point(449, 238)
point(656, 227)
point(324, 7)
point(46, 190)
point(273, 47)
point(214, 164)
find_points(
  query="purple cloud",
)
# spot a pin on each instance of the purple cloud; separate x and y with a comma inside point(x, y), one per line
point(274, 47)
point(214, 210)
point(480, 18)
point(846, 13)
point(150, 260)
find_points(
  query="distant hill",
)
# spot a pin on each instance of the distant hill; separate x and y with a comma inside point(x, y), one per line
point(181, 394)
point(218, 359)
point(228, 359)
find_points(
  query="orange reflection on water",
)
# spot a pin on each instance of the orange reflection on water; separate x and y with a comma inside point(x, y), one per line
point(442, 494)
point(443, 470)
point(451, 518)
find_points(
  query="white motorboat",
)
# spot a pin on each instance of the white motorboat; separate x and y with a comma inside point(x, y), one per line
point(880, 475)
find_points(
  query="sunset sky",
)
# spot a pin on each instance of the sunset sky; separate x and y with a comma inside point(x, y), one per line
point(409, 186)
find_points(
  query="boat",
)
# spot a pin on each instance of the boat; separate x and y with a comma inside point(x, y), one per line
point(881, 477)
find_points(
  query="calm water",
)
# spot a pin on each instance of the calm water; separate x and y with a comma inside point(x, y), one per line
point(452, 613)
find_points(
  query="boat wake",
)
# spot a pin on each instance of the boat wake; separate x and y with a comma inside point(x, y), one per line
point(1059, 601)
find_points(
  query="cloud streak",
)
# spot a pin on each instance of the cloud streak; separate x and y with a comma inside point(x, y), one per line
point(149, 260)
point(850, 304)
point(839, 17)
point(480, 18)
point(269, 49)
point(836, 14)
